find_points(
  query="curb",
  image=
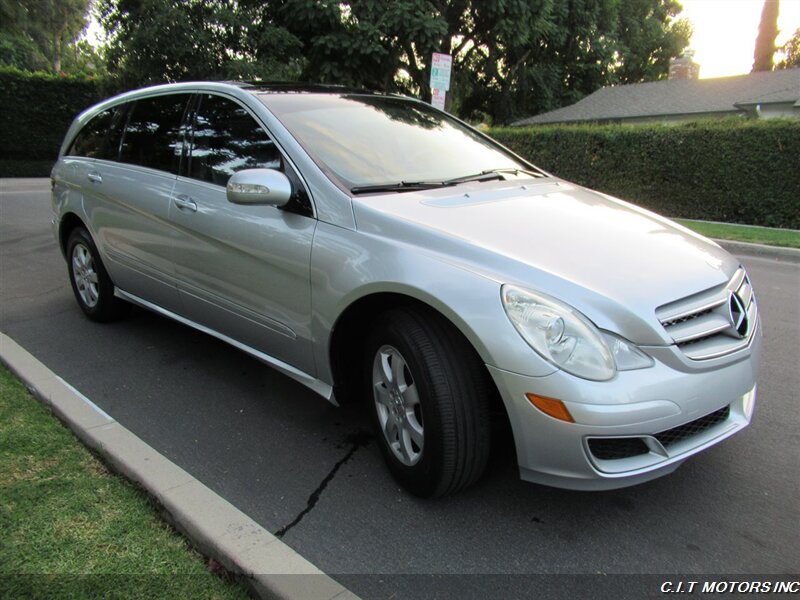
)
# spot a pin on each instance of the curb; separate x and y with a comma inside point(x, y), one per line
point(215, 527)
point(761, 250)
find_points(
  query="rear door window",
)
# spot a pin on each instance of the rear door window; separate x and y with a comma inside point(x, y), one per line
point(100, 137)
point(154, 134)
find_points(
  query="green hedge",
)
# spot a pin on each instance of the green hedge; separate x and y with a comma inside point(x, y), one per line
point(25, 168)
point(732, 170)
point(36, 110)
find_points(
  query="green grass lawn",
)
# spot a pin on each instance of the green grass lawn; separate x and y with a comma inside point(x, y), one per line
point(71, 529)
point(788, 238)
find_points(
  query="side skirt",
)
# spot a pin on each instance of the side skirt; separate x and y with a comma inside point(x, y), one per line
point(320, 387)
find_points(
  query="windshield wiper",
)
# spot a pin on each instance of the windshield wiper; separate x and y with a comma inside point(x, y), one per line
point(401, 186)
point(490, 174)
point(411, 186)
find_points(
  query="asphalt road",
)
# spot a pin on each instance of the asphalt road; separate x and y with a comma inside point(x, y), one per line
point(308, 471)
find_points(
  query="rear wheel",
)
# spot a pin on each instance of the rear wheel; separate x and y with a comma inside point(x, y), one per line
point(91, 284)
point(428, 396)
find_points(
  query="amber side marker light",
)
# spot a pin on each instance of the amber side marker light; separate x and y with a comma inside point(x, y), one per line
point(551, 406)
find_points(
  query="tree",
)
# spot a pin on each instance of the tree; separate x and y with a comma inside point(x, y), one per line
point(511, 58)
point(17, 48)
point(151, 41)
point(389, 45)
point(581, 46)
point(791, 52)
point(358, 43)
point(570, 55)
point(37, 32)
point(61, 21)
point(649, 34)
point(767, 32)
point(21, 51)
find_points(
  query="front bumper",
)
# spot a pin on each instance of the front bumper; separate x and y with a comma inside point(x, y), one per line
point(640, 405)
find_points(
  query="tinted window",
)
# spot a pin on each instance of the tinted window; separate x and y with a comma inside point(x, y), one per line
point(227, 139)
point(99, 138)
point(154, 136)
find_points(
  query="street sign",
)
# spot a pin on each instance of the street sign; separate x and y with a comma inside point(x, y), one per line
point(437, 98)
point(441, 66)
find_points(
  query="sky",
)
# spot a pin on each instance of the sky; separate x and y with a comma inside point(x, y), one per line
point(725, 32)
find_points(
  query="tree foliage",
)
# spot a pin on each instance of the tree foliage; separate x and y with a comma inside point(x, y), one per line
point(42, 34)
point(152, 41)
point(584, 45)
point(767, 32)
point(510, 57)
point(791, 52)
point(649, 35)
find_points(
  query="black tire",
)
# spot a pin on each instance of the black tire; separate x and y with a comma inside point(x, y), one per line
point(91, 284)
point(452, 411)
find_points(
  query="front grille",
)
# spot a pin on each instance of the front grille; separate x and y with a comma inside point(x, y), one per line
point(715, 322)
point(687, 430)
point(685, 318)
point(616, 448)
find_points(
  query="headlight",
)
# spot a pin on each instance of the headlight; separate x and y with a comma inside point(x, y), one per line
point(564, 337)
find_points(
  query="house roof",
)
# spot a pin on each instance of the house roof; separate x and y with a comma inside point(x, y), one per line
point(679, 97)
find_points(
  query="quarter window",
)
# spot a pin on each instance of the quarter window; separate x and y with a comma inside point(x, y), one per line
point(154, 134)
point(100, 137)
point(227, 139)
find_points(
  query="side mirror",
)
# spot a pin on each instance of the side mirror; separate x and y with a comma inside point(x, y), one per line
point(259, 186)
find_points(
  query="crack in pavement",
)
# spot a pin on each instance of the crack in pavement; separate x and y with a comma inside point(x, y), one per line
point(356, 440)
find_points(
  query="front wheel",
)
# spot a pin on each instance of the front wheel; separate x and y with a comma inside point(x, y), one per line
point(91, 284)
point(428, 395)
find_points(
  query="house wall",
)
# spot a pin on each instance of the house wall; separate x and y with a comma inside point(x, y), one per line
point(763, 111)
point(674, 119)
point(782, 110)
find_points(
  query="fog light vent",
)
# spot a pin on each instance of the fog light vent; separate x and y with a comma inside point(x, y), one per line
point(616, 448)
point(680, 433)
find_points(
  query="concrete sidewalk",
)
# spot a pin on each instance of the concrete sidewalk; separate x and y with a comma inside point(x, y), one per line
point(214, 526)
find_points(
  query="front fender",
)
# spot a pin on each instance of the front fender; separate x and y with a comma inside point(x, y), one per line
point(347, 266)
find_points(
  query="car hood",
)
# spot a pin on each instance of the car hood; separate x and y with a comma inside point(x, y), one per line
point(613, 261)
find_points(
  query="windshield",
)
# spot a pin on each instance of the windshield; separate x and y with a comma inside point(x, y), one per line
point(366, 140)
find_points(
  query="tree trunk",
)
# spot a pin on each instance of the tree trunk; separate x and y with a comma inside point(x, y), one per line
point(57, 46)
point(56, 53)
point(767, 32)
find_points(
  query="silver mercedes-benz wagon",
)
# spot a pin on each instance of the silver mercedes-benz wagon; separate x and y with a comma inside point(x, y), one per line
point(371, 246)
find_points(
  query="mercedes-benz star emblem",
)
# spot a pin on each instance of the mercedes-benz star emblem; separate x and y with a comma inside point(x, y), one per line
point(738, 315)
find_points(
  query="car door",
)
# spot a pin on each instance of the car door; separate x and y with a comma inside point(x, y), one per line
point(133, 188)
point(242, 271)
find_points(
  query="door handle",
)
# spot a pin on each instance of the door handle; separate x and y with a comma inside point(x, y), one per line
point(94, 177)
point(184, 202)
